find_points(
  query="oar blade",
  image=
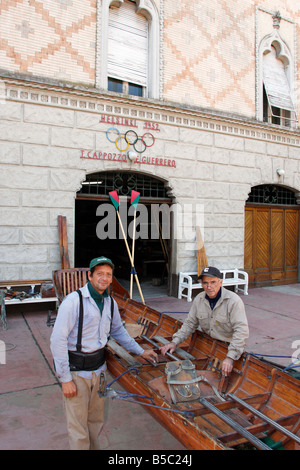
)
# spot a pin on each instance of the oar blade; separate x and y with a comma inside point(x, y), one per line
point(114, 199)
point(135, 196)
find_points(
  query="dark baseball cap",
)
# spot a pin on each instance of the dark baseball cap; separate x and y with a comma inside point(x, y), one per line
point(210, 271)
point(101, 260)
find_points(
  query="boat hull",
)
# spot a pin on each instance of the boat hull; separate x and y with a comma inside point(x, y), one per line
point(213, 421)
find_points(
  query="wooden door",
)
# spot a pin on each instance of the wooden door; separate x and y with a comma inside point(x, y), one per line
point(271, 244)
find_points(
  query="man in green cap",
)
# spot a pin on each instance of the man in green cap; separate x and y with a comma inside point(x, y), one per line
point(80, 362)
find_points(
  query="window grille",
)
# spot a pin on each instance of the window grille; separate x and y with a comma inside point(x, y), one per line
point(101, 183)
point(270, 194)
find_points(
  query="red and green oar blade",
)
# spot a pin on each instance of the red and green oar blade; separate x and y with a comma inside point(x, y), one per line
point(114, 199)
point(135, 196)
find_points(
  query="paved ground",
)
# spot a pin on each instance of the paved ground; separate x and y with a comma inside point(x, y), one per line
point(31, 413)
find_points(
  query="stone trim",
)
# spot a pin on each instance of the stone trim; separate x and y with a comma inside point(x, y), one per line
point(95, 102)
point(261, 43)
point(149, 10)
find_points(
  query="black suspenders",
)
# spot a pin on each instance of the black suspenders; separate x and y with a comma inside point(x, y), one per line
point(80, 323)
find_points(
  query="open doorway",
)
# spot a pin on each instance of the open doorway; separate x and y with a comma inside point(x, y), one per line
point(152, 253)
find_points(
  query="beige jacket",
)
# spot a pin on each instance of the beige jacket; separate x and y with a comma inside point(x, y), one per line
point(226, 322)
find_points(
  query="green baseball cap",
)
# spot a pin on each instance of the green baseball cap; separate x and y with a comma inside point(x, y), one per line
point(101, 260)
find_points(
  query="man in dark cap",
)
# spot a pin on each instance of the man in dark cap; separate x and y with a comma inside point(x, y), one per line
point(218, 312)
point(80, 363)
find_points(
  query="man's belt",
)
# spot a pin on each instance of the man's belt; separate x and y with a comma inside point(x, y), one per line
point(79, 360)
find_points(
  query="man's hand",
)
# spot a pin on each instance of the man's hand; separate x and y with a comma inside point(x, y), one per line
point(168, 348)
point(227, 366)
point(150, 355)
point(69, 389)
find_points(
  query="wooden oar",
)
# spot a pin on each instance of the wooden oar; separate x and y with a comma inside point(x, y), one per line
point(201, 254)
point(115, 200)
point(134, 202)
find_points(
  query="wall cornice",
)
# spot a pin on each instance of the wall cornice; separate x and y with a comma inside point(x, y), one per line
point(81, 98)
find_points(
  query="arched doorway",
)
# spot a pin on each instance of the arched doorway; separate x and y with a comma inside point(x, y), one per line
point(271, 253)
point(94, 212)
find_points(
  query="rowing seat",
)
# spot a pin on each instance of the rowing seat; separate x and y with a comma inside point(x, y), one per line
point(68, 280)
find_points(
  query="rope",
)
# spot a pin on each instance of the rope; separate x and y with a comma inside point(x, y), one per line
point(264, 355)
point(291, 366)
point(127, 395)
point(189, 413)
point(131, 369)
point(120, 395)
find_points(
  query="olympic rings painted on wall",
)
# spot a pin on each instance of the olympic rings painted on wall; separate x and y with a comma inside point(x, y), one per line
point(112, 134)
point(122, 141)
point(131, 137)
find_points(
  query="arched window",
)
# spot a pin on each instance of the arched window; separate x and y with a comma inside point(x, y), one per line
point(278, 107)
point(101, 183)
point(271, 194)
point(127, 58)
point(128, 47)
point(276, 78)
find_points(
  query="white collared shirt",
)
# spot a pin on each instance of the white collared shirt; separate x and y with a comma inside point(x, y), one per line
point(95, 332)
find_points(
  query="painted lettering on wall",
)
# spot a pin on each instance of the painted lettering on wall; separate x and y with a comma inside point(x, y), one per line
point(123, 140)
point(120, 121)
point(128, 122)
point(122, 157)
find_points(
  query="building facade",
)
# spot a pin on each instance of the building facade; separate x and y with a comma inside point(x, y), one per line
point(194, 106)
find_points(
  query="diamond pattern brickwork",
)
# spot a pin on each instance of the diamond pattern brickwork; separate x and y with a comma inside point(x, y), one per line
point(207, 57)
point(209, 51)
point(52, 38)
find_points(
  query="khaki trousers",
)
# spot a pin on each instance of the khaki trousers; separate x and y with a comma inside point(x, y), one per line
point(85, 414)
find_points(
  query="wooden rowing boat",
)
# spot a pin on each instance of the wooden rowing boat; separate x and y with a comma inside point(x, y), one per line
point(256, 407)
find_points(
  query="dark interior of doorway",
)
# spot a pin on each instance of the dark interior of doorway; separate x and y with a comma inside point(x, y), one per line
point(150, 261)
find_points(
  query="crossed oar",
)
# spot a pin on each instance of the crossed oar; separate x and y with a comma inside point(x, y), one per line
point(134, 201)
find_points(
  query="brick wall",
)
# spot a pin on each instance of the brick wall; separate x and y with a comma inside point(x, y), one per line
point(210, 50)
point(207, 59)
point(52, 38)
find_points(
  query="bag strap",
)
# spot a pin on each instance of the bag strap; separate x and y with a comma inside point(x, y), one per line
point(111, 314)
point(80, 323)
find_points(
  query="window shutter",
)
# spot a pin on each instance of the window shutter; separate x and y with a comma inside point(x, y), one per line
point(127, 45)
point(276, 82)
